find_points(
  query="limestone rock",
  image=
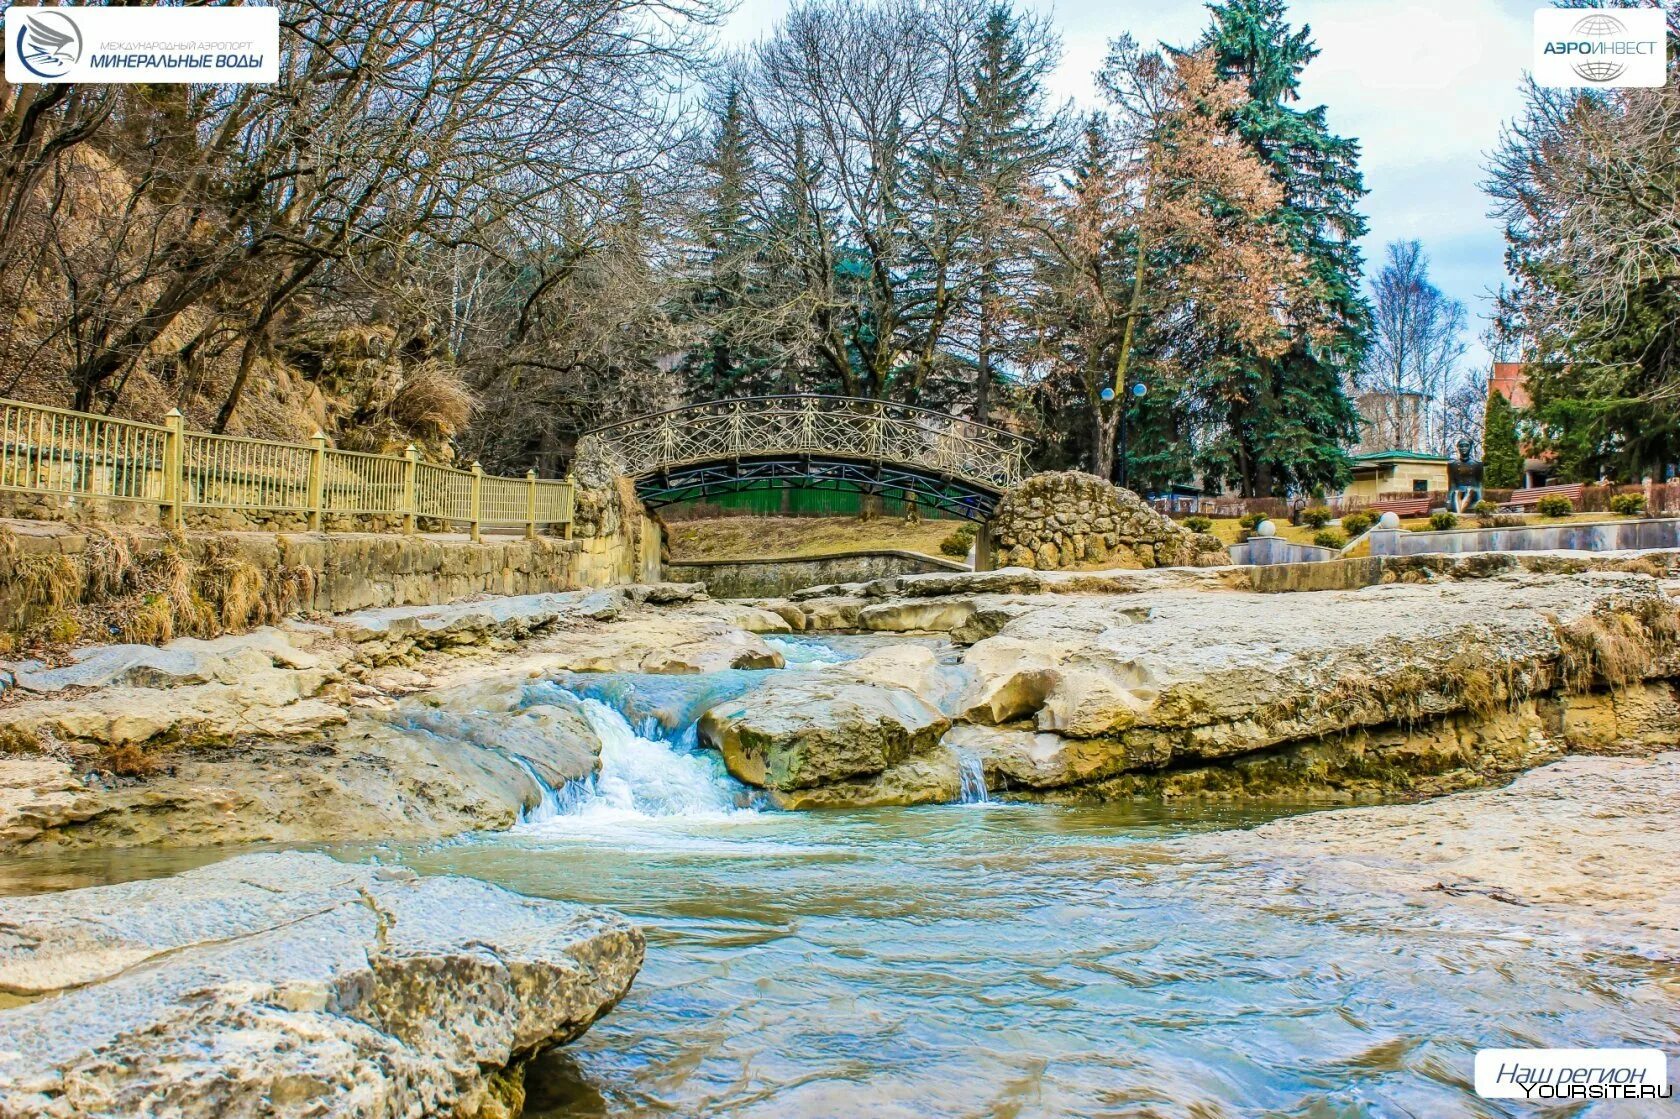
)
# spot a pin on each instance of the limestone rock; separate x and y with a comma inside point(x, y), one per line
point(932, 778)
point(292, 985)
point(800, 731)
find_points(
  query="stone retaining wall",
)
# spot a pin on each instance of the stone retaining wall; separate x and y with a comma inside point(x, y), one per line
point(777, 578)
point(54, 568)
point(1070, 519)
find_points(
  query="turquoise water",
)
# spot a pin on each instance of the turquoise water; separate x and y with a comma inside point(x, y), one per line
point(1007, 960)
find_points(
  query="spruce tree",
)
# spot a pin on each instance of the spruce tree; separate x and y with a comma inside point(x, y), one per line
point(1288, 421)
point(1005, 141)
point(1502, 458)
point(723, 268)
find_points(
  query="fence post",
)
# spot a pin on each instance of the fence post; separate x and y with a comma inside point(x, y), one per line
point(317, 481)
point(411, 487)
point(475, 506)
point(174, 471)
point(531, 504)
point(571, 507)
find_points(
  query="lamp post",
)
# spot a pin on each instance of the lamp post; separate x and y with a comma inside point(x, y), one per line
point(1139, 391)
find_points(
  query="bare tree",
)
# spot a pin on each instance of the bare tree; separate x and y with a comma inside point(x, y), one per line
point(1161, 233)
point(1416, 345)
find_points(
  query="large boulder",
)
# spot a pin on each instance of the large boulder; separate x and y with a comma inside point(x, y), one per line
point(293, 985)
point(802, 730)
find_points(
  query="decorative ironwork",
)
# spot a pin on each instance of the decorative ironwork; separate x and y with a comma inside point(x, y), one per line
point(822, 442)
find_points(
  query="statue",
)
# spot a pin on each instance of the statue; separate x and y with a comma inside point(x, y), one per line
point(1464, 478)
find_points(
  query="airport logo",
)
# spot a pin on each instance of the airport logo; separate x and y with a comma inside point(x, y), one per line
point(48, 44)
point(151, 45)
point(1604, 48)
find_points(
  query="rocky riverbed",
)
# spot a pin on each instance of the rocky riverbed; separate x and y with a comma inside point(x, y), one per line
point(347, 989)
point(1057, 686)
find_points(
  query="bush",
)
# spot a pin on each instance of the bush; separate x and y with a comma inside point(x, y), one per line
point(1329, 538)
point(1198, 524)
point(1628, 504)
point(1316, 516)
point(1357, 524)
point(958, 543)
point(1443, 520)
point(1555, 506)
point(1485, 508)
point(1251, 521)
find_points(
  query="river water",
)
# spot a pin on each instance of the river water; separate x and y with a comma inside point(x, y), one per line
point(996, 960)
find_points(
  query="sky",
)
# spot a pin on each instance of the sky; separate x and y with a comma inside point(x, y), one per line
point(1424, 85)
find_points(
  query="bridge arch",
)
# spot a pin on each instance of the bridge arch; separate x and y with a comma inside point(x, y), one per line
point(812, 442)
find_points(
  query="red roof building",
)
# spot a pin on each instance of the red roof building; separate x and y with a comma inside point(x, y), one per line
point(1508, 378)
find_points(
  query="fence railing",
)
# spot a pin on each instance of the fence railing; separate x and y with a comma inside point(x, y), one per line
point(72, 454)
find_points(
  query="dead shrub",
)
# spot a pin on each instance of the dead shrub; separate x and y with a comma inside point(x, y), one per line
point(128, 759)
point(431, 404)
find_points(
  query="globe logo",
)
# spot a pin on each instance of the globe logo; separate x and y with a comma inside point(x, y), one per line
point(49, 44)
point(1600, 26)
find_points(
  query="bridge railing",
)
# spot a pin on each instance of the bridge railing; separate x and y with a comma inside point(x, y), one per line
point(77, 456)
point(843, 427)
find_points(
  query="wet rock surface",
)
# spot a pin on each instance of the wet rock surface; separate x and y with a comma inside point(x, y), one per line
point(1175, 683)
point(294, 985)
point(1058, 685)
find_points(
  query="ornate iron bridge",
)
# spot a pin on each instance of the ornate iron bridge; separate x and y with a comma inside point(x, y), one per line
point(812, 442)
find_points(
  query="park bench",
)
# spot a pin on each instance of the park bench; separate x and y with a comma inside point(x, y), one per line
point(1403, 506)
point(1529, 499)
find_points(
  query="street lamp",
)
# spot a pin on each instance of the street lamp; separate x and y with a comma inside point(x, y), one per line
point(1139, 391)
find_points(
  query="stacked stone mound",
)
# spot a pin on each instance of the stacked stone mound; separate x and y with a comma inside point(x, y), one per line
point(1067, 519)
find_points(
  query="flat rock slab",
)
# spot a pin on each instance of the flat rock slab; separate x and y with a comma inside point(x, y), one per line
point(1586, 847)
point(292, 985)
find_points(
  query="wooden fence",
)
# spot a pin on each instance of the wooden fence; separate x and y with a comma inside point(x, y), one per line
point(75, 455)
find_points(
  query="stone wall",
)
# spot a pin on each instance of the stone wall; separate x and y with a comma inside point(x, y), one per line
point(64, 582)
point(1070, 519)
point(777, 578)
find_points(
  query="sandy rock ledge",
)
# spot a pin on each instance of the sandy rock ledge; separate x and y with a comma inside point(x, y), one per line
point(291, 985)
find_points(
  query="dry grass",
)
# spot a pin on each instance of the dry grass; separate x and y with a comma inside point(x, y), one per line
point(128, 760)
point(432, 404)
point(1612, 648)
point(780, 537)
point(144, 590)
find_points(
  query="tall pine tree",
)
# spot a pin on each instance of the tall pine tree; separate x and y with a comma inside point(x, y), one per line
point(724, 268)
point(1286, 421)
point(1006, 141)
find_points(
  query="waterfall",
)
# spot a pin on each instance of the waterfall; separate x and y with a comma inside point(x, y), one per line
point(645, 776)
point(550, 802)
point(972, 775)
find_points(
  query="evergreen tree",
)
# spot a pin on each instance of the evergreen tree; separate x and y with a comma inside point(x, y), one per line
point(723, 267)
point(1005, 142)
point(1502, 458)
point(1286, 419)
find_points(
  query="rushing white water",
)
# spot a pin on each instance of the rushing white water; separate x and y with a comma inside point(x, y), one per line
point(550, 802)
point(644, 777)
point(972, 775)
point(807, 654)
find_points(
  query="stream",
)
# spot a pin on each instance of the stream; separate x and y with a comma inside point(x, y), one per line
point(986, 959)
